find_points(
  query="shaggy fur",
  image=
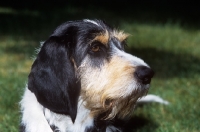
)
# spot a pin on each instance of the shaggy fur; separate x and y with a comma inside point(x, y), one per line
point(82, 80)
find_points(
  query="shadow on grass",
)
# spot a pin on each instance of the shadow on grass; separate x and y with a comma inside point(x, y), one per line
point(138, 123)
point(167, 64)
point(26, 49)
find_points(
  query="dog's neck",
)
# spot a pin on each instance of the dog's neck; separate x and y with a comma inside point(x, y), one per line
point(84, 122)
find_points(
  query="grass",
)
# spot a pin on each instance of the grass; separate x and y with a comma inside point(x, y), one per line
point(170, 48)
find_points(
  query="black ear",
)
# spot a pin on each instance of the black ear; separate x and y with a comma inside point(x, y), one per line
point(52, 78)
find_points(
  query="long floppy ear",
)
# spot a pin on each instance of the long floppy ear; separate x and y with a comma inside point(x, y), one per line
point(52, 78)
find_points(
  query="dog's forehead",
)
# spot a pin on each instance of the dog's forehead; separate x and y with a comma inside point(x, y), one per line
point(106, 33)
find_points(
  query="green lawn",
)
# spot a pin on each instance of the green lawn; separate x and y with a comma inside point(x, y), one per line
point(170, 48)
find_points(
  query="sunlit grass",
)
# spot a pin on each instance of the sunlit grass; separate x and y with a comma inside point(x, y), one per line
point(15, 64)
point(167, 36)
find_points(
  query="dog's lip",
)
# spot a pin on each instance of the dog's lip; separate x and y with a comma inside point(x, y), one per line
point(142, 91)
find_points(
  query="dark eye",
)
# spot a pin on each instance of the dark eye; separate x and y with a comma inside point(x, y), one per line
point(95, 48)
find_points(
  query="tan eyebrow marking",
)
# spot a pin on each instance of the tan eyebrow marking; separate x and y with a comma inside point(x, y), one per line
point(102, 37)
point(120, 35)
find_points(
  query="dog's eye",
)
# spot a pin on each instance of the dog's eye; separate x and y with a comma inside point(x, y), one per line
point(95, 48)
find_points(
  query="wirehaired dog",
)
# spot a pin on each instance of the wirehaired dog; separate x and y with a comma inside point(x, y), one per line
point(82, 80)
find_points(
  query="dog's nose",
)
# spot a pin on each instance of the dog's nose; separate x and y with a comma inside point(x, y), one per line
point(144, 74)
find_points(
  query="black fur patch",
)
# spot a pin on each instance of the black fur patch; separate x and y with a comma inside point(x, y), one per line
point(100, 124)
point(22, 128)
point(54, 128)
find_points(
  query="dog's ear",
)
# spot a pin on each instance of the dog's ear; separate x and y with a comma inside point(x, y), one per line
point(52, 78)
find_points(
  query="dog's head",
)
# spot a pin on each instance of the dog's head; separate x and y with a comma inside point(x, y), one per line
point(86, 59)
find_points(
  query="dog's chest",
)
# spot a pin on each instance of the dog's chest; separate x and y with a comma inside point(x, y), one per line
point(84, 122)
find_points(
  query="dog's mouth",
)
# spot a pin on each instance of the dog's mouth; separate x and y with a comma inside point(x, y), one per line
point(121, 107)
point(120, 104)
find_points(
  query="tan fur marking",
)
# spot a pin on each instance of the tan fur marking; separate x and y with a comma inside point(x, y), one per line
point(103, 38)
point(120, 35)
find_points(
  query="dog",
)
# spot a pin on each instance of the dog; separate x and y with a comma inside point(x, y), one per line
point(82, 80)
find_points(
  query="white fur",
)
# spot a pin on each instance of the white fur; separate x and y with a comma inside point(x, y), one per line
point(64, 123)
point(33, 116)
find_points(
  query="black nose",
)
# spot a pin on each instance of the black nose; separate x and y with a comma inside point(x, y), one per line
point(144, 74)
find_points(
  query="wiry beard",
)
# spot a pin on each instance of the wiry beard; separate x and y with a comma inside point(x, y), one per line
point(103, 92)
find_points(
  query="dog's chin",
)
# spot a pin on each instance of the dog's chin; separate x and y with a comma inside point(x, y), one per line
point(123, 107)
